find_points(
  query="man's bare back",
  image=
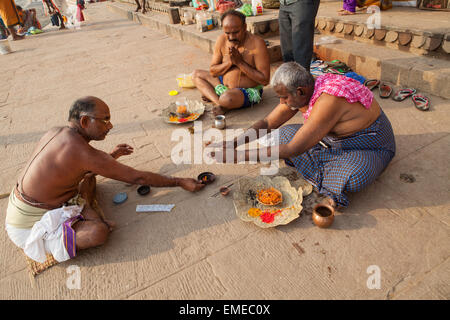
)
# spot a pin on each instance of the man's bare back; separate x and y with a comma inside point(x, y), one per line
point(354, 117)
point(54, 175)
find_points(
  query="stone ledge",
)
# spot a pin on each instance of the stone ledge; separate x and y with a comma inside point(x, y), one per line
point(427, 43)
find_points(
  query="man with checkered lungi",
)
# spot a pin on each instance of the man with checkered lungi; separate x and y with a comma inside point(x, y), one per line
point(345, 142)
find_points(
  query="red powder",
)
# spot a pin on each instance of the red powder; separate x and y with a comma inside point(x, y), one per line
point(269, 217)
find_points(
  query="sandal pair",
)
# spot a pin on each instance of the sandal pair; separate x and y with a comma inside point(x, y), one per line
point(421, 102)
point(384, 89)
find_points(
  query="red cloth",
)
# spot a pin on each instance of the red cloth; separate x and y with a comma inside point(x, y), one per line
point(80, 16)
point(340, 86)
point(223, 6)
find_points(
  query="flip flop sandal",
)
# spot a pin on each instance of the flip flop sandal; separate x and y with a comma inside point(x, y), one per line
point(403, 94)
point(421, 102)
point(335, 63)
point(385, 91)
point(372, 83)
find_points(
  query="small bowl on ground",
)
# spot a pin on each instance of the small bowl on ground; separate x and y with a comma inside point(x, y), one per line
point(224, 191)
point(143, 190)
point(206, 177)
point(323, 215)
point(120, 198)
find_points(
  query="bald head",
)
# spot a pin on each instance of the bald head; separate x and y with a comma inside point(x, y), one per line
point(85, 105)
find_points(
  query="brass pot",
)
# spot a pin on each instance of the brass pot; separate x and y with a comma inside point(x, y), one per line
point(323, 215)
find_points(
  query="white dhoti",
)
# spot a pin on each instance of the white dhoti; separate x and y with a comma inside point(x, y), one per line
point(51, 234)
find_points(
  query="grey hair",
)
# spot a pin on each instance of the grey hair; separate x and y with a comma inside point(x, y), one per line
point(82, 105)
point(292, 75)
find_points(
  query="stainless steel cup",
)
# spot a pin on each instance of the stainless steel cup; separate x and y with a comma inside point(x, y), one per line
point(219, 122)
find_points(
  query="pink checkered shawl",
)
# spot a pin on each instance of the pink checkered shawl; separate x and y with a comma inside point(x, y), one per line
point(340, 86)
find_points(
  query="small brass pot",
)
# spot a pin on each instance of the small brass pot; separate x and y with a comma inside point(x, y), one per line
point(323, 215)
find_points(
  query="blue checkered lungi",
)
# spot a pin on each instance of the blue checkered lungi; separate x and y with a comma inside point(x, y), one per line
point(349, 164)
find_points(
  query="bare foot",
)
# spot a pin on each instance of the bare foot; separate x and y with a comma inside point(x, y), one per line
point(346, 13)
point(111, 224)
point(17, 37)
point(144, 10)
point(137, 9)
point(329, 202)
point(62, 27)
point(218, 111)
point(340, 10)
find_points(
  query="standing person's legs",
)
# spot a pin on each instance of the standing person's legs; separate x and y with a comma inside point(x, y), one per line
point(4, 32)
point(303, 17)
point(144, 10)
point(284, 21)
point(10, 18)
point(61, 20)
point(138, 6)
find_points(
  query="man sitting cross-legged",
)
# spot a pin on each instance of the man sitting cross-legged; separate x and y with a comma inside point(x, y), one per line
point(53, 208)
point(239, 69)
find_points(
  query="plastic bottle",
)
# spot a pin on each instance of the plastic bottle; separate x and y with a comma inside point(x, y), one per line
point(257, 7)
point(212, 5)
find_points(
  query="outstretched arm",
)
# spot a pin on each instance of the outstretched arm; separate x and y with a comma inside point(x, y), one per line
point(323, 118)
point(276, 118)
point(104, 164)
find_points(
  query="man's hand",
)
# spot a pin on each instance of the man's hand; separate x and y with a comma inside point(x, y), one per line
point(121, 150)
point(235, 56)
point(191, 185)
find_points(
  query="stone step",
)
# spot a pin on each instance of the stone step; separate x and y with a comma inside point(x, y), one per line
point(403, 69)
point(407, 29)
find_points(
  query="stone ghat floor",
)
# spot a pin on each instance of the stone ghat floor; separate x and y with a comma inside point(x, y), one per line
point(201, 250)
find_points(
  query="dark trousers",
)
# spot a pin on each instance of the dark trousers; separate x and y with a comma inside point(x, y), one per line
point(296, 22)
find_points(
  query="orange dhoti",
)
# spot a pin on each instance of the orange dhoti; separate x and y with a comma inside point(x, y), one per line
point(9, 14)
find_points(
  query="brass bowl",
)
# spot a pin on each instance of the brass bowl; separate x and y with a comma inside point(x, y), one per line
point(323, 215)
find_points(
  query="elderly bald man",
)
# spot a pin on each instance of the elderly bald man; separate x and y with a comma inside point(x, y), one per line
point(53, 208)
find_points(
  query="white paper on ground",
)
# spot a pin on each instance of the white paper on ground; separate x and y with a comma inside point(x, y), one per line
point(154, 207)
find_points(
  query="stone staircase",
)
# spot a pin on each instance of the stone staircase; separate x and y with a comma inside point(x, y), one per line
point(409, 48)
